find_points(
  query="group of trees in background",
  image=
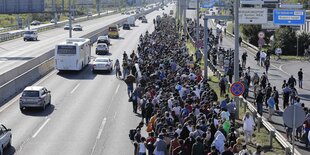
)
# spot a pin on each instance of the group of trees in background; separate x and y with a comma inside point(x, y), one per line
point(284, 37)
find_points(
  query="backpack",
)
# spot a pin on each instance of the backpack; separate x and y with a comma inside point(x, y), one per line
point(132, 133)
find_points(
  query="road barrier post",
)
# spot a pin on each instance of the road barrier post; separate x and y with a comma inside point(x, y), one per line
point(271, 135)
point(259, 122)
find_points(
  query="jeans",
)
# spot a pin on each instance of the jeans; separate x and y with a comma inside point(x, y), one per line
point(300, 83)
point(259, 107)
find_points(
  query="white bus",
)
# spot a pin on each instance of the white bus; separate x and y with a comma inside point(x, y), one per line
point(74, 54)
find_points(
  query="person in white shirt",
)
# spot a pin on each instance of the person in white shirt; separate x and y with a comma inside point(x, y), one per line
point(225, 114)
point(263, 56)
point(142, 148)
point(248, 127)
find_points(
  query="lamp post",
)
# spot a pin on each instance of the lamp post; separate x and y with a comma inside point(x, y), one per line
point(70, 20)
point(298, 32)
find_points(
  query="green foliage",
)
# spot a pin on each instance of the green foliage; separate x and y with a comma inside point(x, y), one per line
point(250, 33)
point(285, 38)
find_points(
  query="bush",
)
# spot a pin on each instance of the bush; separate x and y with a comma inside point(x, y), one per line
point(285, 38)
point(250, 33)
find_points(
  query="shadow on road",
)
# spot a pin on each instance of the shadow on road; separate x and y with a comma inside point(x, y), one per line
point(38, 111)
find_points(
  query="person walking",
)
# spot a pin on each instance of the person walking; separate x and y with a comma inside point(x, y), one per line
point(267, 65)
point(275, 95)
point(271, 104)
point(117, 68)
point(300, 78)
point(248, 127)
point(268, 91)
point(244, 57)
point(292, 82)
point(160, 146)
point(286, 95)
point(259, 102)
point(198, 148)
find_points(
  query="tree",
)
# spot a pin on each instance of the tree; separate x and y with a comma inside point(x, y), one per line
point(285, 38)
point(250, 33)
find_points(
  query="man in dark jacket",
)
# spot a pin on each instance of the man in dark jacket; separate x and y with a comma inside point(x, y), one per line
point(198, 148)
point(300, 77)
point(259, 102)
point(292, 81)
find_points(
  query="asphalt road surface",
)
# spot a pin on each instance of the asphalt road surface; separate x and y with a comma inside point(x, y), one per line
point(16, 52)
point(90, 113)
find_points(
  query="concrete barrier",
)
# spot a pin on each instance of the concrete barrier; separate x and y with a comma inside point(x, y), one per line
point(14, 81)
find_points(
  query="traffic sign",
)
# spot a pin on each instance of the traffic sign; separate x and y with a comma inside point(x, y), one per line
point(261, 34)
point(288, 116)
point(289, 17)
point(237, 89)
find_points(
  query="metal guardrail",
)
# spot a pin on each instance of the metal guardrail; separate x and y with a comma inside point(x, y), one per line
point(273, 133)
point(10, 36)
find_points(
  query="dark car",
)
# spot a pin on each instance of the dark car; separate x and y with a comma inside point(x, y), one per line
point(35, 23)
point(141, 17)
point(144, 20)
point(126, 26)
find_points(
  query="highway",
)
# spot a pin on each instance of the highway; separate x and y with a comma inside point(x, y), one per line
point(90, 113)
point(279, 71)
point(16, 52)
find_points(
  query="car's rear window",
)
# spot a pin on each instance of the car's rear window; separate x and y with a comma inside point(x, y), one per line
point(29, 32)
point(31, 94)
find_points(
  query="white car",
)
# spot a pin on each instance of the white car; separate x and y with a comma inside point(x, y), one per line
point(102, 64)
point(5, 138)
point(30, 35)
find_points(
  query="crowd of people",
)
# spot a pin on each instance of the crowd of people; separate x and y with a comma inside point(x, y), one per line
point(181, 112)
point(264, 93)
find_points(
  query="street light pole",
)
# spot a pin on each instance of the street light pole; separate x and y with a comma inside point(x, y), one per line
point(197, 27)
point(205, 47)
point(184, 17)
point(70, 20)
point(236, 53)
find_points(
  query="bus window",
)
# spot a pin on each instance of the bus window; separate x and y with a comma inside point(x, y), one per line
point(66, 50)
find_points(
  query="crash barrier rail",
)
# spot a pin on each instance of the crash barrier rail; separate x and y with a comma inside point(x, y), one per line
point(19, 33)
point(273, 133)
point(14, 81)
point(10, 36)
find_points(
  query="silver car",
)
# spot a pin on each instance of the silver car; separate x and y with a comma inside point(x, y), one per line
point(5, 138)
point(35, 96)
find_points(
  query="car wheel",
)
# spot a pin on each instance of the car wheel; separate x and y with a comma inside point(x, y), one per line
point(36, 38)
point(9, 144)
point(1, 150)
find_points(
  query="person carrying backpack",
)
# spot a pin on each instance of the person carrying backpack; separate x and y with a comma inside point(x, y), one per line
point(268, 91)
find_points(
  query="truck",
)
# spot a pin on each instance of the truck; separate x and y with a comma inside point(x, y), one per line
point(131, 20)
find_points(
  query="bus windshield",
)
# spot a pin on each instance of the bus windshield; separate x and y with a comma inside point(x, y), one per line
point(65, 49)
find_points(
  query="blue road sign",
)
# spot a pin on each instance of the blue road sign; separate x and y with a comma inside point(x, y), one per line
point(289, 17)
point(207, 4)
point(21, 6)
point(237, 89)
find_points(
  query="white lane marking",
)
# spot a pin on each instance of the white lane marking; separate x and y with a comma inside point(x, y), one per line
point(36, 133)
point(117, 88)
point(115, 115)
point(101, 128)
point(280, 68)
point(77, 86)
point(7, 105)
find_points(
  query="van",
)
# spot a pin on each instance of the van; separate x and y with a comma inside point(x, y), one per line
point(30, 35)
point(113, 32)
